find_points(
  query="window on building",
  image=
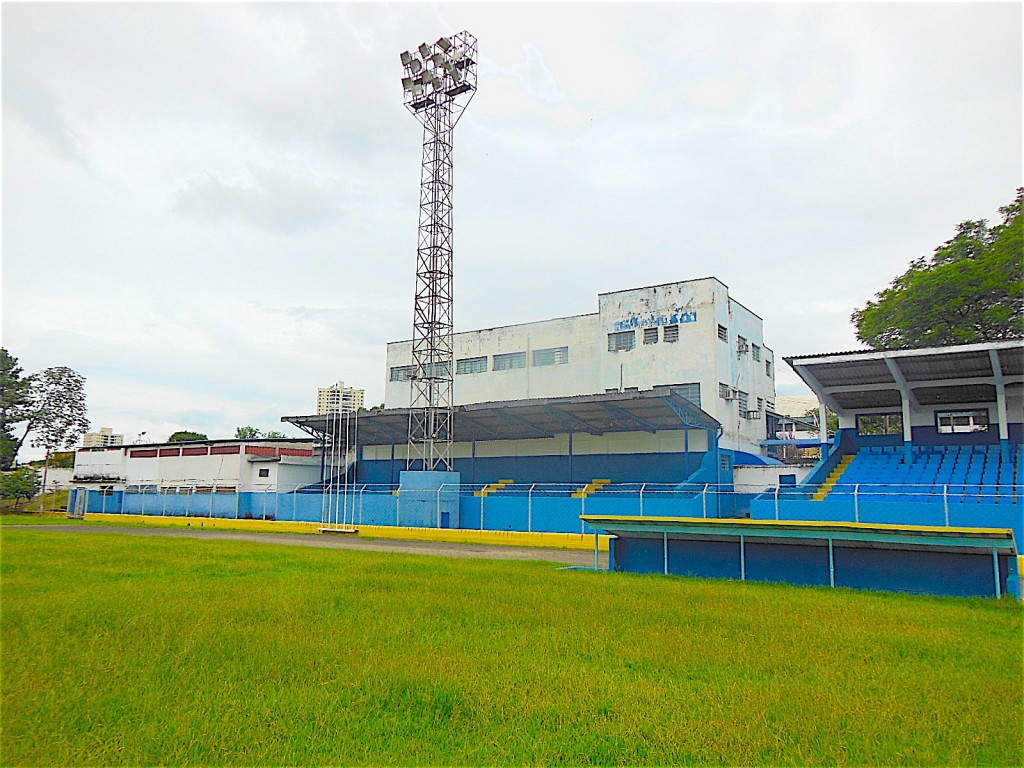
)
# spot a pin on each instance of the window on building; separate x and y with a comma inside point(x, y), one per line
point(755, 351)
point(690, 391)
point(724, 390)
point(509, 361)
point(950, 422)
point(723, 461)
point(553, 356)
point(623, 341)
point(650, 335)
point(760, 403)
point(471, 365)
point(402, 372)
point(723, 333)
point(742, 346)
point(744, 399)
point(438, 370)
point(880, 424)
point(265, 472)
point(670, 334)
point(771, 405)
point(768, 368)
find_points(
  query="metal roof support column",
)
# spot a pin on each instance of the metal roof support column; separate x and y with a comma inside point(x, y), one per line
point(1004, 429)
point(907, 399)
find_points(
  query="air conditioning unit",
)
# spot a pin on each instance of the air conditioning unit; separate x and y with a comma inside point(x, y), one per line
point(742, 346)
point(730, 394)
point(751, 414)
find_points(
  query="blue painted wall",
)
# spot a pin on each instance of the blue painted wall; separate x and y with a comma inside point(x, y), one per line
point(619, 468)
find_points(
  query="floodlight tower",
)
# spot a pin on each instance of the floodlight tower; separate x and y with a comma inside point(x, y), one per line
point(439, 82)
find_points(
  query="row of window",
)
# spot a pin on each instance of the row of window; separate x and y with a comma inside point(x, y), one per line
point(743, 346)
point(506, 362)
point(623, 341)
point(946, 422)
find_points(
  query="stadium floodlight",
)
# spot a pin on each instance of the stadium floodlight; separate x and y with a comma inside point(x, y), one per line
point(449, 70)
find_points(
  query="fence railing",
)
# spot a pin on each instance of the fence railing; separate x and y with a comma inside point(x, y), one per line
point(545, 506)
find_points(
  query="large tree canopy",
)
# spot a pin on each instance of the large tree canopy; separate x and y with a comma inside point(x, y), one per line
point(971, 289)
point(15, 402)
point(185, 435)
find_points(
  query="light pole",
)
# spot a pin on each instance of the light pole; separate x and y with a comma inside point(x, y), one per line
point(439, 82)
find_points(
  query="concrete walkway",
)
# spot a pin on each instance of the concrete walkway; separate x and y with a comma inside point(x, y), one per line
point(343, 541)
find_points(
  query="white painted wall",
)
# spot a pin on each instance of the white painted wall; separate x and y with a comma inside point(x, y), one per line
point(694, 307)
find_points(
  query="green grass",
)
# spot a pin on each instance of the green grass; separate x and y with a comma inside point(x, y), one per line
point(145, 651)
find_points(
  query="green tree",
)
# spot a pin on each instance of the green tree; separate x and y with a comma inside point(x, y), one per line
point(19, 484)
point(15, 403)
point(252, 433)
point(971, 289)
point(830, 417)
point(185, 435)
point(58, 411)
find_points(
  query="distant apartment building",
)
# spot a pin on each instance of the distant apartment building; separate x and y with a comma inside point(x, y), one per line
point(102, 439)
point(338, 398)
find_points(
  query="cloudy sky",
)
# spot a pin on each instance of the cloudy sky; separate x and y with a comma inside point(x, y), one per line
point(210, 210)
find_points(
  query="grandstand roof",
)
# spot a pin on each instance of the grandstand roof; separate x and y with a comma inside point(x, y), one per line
point(967, 373)
point(661, 408)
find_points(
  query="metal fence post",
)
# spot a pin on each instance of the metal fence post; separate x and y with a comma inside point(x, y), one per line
point(831, 565)
point(361, 503)
point(856, 503)
point(439, 488)
point(995, 570)
point(664, 552)
point(583, 509)
point(529, 509)
point(945, 502)
point(776, 502)
point(743, 559)
point(642, 499)
point(704, 499)
point(295, 500)
point(483, 495)
point(398, 507)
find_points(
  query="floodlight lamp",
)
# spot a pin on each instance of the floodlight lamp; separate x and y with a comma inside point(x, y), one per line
point(417, 90)
point(449, 66)
point(458, 53)
point(424, 50)
point(438, 59)
point(407, 83)
point(456, 75)
point(417, 66)
point(436, 83)
point(444, 44)
point(406, 58)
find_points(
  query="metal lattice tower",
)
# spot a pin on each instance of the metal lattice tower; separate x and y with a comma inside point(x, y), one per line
point(439, 82)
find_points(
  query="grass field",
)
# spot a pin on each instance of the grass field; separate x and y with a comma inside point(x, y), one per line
point(145, 651)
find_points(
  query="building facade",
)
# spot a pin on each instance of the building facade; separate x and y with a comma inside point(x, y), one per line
point(338, 398)
point(690, 334)
point(102, 438)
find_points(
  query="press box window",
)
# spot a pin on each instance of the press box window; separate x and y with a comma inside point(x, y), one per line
point(956, 422)
point(553, 356)
point(723, 333)
point(510, 361)
point(402, 372)
point(622, 341)
point(768, 368)
point(755, 351)
point(880, 424)
point(471, 365)
point(744, 399)
point(265, 472)
point(670, 334)
point(650, 335)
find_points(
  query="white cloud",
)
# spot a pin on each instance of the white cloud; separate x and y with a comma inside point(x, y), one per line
point(210, 210)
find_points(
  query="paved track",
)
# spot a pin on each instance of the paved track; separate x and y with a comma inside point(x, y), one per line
point(343, 541)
